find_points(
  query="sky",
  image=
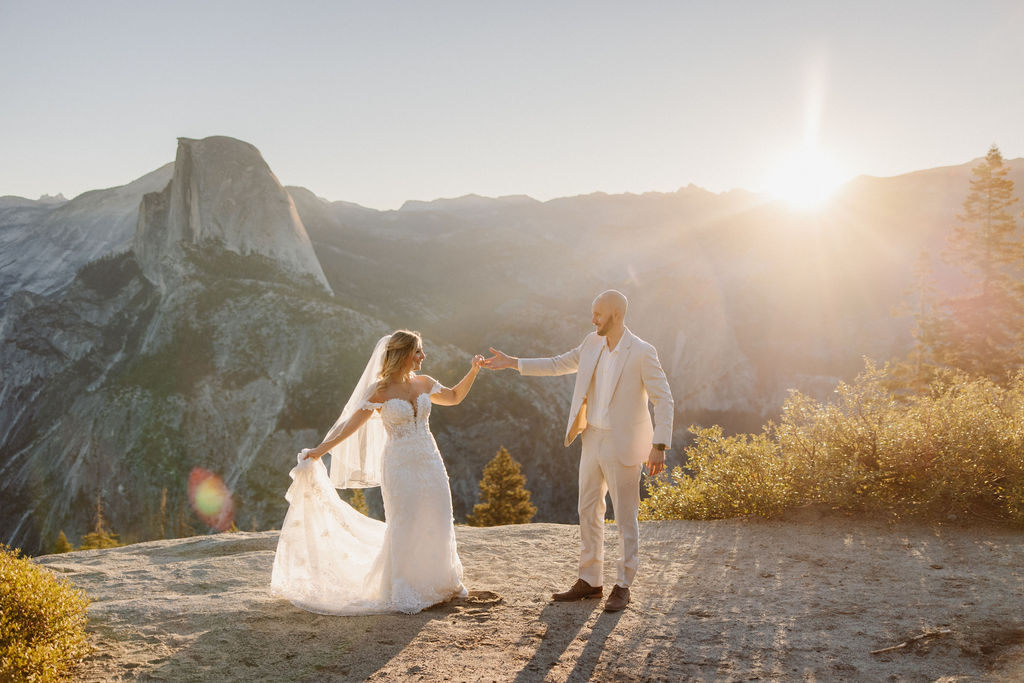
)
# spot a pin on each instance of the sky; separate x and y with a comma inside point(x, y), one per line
point(381, 102)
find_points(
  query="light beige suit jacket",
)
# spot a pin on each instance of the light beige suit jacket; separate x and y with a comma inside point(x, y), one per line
point(637, 379)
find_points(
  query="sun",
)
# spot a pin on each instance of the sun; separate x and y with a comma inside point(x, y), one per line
point(806, 180)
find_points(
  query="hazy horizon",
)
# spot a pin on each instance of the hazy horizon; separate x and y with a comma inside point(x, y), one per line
point(286, 183)
point(382, 104)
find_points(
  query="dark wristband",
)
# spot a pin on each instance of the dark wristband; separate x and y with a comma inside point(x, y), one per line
point(660, 446)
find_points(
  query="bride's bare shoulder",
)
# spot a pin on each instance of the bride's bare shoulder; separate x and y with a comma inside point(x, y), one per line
point(379, 396)
point(423, 382)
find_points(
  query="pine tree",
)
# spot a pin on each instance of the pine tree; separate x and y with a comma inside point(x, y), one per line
point(357, 499)
point(504, 497)
point(100, 536)
point(981, 331)
point(62, 545)
point(986, 240)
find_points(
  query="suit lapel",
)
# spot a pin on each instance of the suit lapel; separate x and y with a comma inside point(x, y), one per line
point(589, 364)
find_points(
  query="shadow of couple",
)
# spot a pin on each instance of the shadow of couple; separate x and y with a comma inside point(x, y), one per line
point(554, 631)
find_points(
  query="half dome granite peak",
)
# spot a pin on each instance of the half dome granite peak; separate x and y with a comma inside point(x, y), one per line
point(222, 191)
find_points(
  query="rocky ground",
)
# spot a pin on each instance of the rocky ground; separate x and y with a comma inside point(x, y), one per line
point(806, 598)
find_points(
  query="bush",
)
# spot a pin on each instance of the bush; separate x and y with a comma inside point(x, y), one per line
point(42, 621)
point(728, 477)
point(954, 451)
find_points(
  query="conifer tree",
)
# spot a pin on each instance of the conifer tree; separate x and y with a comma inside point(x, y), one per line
point(62, 545)
point(503, 494)
point(357, 499)
point(100, 536)
point(986, 241)
point(982, 331)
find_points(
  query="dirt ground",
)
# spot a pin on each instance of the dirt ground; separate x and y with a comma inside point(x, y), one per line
point(806, 598)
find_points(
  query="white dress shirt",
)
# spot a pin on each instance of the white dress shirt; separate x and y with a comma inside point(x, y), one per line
point(601, 393)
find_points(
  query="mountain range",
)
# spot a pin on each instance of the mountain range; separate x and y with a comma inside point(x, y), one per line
point(204, 315)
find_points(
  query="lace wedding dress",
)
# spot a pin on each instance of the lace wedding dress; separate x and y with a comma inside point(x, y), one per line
point(333, 560)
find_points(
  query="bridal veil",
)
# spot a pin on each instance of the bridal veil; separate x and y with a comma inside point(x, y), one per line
point(356, 461)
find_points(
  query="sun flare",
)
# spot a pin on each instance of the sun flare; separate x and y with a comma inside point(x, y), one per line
point(806, 180)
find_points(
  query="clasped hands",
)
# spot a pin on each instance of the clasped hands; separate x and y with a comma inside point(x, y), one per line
point(497, 361)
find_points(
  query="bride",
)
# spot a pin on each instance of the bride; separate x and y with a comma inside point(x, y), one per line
point(333, 560)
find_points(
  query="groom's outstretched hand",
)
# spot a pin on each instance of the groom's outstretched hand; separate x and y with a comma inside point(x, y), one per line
point(499, 361)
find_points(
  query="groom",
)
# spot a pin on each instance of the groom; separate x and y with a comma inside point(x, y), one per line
point(616, 374)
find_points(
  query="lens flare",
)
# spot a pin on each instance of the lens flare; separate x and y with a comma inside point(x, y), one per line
point(210, 499)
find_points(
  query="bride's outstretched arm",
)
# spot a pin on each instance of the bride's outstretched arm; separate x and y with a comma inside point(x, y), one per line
point(454, 396)
point(340, 433)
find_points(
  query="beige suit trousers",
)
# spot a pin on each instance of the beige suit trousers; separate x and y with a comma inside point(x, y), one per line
point(602, 472)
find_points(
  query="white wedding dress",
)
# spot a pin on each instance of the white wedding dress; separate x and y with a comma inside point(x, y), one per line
point(332, 559)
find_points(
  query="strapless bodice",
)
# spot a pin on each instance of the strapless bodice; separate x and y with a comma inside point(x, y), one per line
point(403, 420)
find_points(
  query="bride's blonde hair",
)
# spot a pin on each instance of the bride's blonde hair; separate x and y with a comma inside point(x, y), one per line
point(402, 344)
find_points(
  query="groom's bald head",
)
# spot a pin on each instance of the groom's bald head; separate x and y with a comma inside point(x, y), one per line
point(615, 300)
point(609, 312)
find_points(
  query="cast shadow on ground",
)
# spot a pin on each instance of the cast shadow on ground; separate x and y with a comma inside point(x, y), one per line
point(555, 629)
point(761, 609)
point(284, 643)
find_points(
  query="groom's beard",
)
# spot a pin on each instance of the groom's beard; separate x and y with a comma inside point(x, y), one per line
point(603, 331)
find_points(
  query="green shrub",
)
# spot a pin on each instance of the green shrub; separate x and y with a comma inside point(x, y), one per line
point(728, 477)
point(954, 451)
point(42, 621)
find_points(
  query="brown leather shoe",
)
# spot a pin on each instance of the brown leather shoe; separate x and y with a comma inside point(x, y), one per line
point(580, 590)
point(617, 599)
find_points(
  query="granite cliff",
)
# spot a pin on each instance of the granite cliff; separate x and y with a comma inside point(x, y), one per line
point(222, 192)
